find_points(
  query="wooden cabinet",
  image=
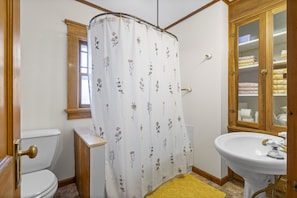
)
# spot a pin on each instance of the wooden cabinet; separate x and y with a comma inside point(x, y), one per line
point(258, 69)
point(89, 163)
point(258, 66)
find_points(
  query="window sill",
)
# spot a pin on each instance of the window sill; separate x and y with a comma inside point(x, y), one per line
point(78, 113)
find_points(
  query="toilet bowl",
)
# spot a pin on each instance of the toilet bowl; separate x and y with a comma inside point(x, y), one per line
point(39, 184)
point(37, 180)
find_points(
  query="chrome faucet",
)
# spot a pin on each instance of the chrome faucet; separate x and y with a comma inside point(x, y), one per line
point(284, 136)
point(275, 145)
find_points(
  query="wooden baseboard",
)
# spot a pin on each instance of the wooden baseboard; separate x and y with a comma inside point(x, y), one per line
point(210, 177)
point(67, 181)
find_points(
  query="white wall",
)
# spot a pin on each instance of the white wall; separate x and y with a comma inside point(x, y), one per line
point(44, 71)
point(206, 106)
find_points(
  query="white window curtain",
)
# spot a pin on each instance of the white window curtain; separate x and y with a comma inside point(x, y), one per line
point(136, 104)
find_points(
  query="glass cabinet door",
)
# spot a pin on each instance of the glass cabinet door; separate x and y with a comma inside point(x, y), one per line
point(279, 70)
point(248, 67)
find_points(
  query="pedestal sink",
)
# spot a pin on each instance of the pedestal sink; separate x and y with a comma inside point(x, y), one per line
point(245, 154)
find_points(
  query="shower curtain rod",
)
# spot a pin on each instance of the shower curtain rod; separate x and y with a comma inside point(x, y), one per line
point(139, 20)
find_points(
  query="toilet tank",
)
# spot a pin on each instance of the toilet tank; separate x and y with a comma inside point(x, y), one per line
point(46, 141)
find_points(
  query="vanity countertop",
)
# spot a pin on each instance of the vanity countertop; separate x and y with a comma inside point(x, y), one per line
point(89, 137)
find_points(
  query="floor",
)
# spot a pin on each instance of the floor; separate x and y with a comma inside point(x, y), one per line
point(231, 188)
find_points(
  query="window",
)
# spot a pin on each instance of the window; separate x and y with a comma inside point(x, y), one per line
point(83, 75)
point(78, 101)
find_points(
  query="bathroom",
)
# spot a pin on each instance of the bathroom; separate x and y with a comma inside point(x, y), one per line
point(44, 60)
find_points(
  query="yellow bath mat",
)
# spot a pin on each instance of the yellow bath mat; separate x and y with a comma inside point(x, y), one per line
point(186, 186)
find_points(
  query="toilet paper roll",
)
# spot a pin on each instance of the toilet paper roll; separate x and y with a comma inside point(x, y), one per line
point(245, 113)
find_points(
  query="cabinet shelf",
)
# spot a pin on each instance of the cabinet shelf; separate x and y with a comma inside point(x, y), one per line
point(280, 37)
point(280, 62)
point(253, 44)
point(249, 67)
point(249, 45)
point(253, 95)
point(280, 95)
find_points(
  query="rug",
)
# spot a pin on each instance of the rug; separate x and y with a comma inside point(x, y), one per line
point(186, 186)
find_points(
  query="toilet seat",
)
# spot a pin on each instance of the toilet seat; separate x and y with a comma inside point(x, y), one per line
point(37, 184)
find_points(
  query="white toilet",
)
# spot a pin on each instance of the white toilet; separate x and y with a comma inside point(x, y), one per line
point(37, 180)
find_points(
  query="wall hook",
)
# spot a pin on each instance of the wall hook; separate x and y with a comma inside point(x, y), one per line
point(208, 56)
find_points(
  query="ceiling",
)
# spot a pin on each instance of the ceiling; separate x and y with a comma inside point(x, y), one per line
point(162, 13)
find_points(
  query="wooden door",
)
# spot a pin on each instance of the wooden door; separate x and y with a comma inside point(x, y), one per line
point(9, 96)
point(292, 98)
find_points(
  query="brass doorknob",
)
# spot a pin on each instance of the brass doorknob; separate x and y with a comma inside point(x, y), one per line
point(31, 152)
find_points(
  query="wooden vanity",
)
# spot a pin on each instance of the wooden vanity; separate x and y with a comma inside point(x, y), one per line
point(89, 163)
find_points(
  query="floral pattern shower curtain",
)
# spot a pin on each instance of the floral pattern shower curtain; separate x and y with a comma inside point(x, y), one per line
point(136, 105)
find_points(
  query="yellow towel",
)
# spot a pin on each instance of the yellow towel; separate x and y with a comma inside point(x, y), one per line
point(280, 71)
point(280, 87)
point(279, 91)
point(186, 186)
point(280, 82)
point(279, 76)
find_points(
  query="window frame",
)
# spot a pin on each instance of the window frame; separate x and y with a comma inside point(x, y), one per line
point(76, 32)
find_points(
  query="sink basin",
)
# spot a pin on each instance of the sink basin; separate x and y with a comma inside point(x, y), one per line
point(244, 153)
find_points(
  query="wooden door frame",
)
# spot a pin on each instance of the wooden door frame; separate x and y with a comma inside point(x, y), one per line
point(9, 88)
point(292, 97)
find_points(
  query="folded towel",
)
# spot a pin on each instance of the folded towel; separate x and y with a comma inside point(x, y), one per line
point(246, 64)
point(280, 87)
point(279, 76)
point(280, 82)
point(280, 71)
point(247, 84)
point(279, 91)
point(246, 57)
point(247, 88)
point(246, 60)
point(248, 92)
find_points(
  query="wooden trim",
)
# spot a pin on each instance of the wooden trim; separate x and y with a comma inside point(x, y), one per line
point(76, 32)
point(66, 182)
point(166, 28)
point(240, 9)
point(247, 129)
point(191, 14)
point(228, 2)
point(292, 95)
point(93, 5)
point(210, 177)
point(78, 113)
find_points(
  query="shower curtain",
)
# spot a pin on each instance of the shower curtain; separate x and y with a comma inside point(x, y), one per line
point(136, 104)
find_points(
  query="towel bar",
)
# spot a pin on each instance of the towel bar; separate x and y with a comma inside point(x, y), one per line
point(187, 89)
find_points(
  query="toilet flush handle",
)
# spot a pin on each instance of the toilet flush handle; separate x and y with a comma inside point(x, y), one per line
point(31, 152)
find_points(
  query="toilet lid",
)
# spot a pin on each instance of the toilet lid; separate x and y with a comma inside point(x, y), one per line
point(36, 183)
